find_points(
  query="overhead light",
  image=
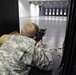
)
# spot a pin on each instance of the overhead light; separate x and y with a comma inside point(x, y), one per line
point(41, 2)
point(30, 2)
point(35, 2)
point(47, 2)
point(54, 2)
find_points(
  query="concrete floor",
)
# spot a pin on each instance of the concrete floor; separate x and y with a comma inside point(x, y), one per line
point(54, 37)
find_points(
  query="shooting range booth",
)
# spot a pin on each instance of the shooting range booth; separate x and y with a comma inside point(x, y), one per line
point(9, 21)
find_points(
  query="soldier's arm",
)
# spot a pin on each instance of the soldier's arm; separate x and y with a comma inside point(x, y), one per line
point(42, 58)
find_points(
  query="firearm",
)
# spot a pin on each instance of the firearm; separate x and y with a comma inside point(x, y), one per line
point(40, 34)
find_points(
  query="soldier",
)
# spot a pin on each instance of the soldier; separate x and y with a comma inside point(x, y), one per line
point(21, 52)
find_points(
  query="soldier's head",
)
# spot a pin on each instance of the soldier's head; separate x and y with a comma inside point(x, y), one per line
point(29, 29)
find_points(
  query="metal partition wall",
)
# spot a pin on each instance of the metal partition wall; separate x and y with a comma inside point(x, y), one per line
point(9, 18)
point(69, 56)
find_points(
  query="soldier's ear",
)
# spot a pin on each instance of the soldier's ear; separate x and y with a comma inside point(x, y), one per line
point(34, 37)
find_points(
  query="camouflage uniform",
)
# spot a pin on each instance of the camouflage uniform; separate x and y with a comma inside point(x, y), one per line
point(19, 53)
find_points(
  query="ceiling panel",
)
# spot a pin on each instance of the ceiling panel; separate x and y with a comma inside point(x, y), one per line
point(51, 3)
point(47, 0)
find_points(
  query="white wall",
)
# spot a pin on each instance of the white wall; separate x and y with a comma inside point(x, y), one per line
point(34, 10)
point(37, 10)
point(24, 8)
point(26, 11)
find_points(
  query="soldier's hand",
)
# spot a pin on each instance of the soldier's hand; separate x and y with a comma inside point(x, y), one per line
point(39, 42)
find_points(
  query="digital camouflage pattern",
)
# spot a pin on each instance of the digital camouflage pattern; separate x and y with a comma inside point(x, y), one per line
point(19, 53)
